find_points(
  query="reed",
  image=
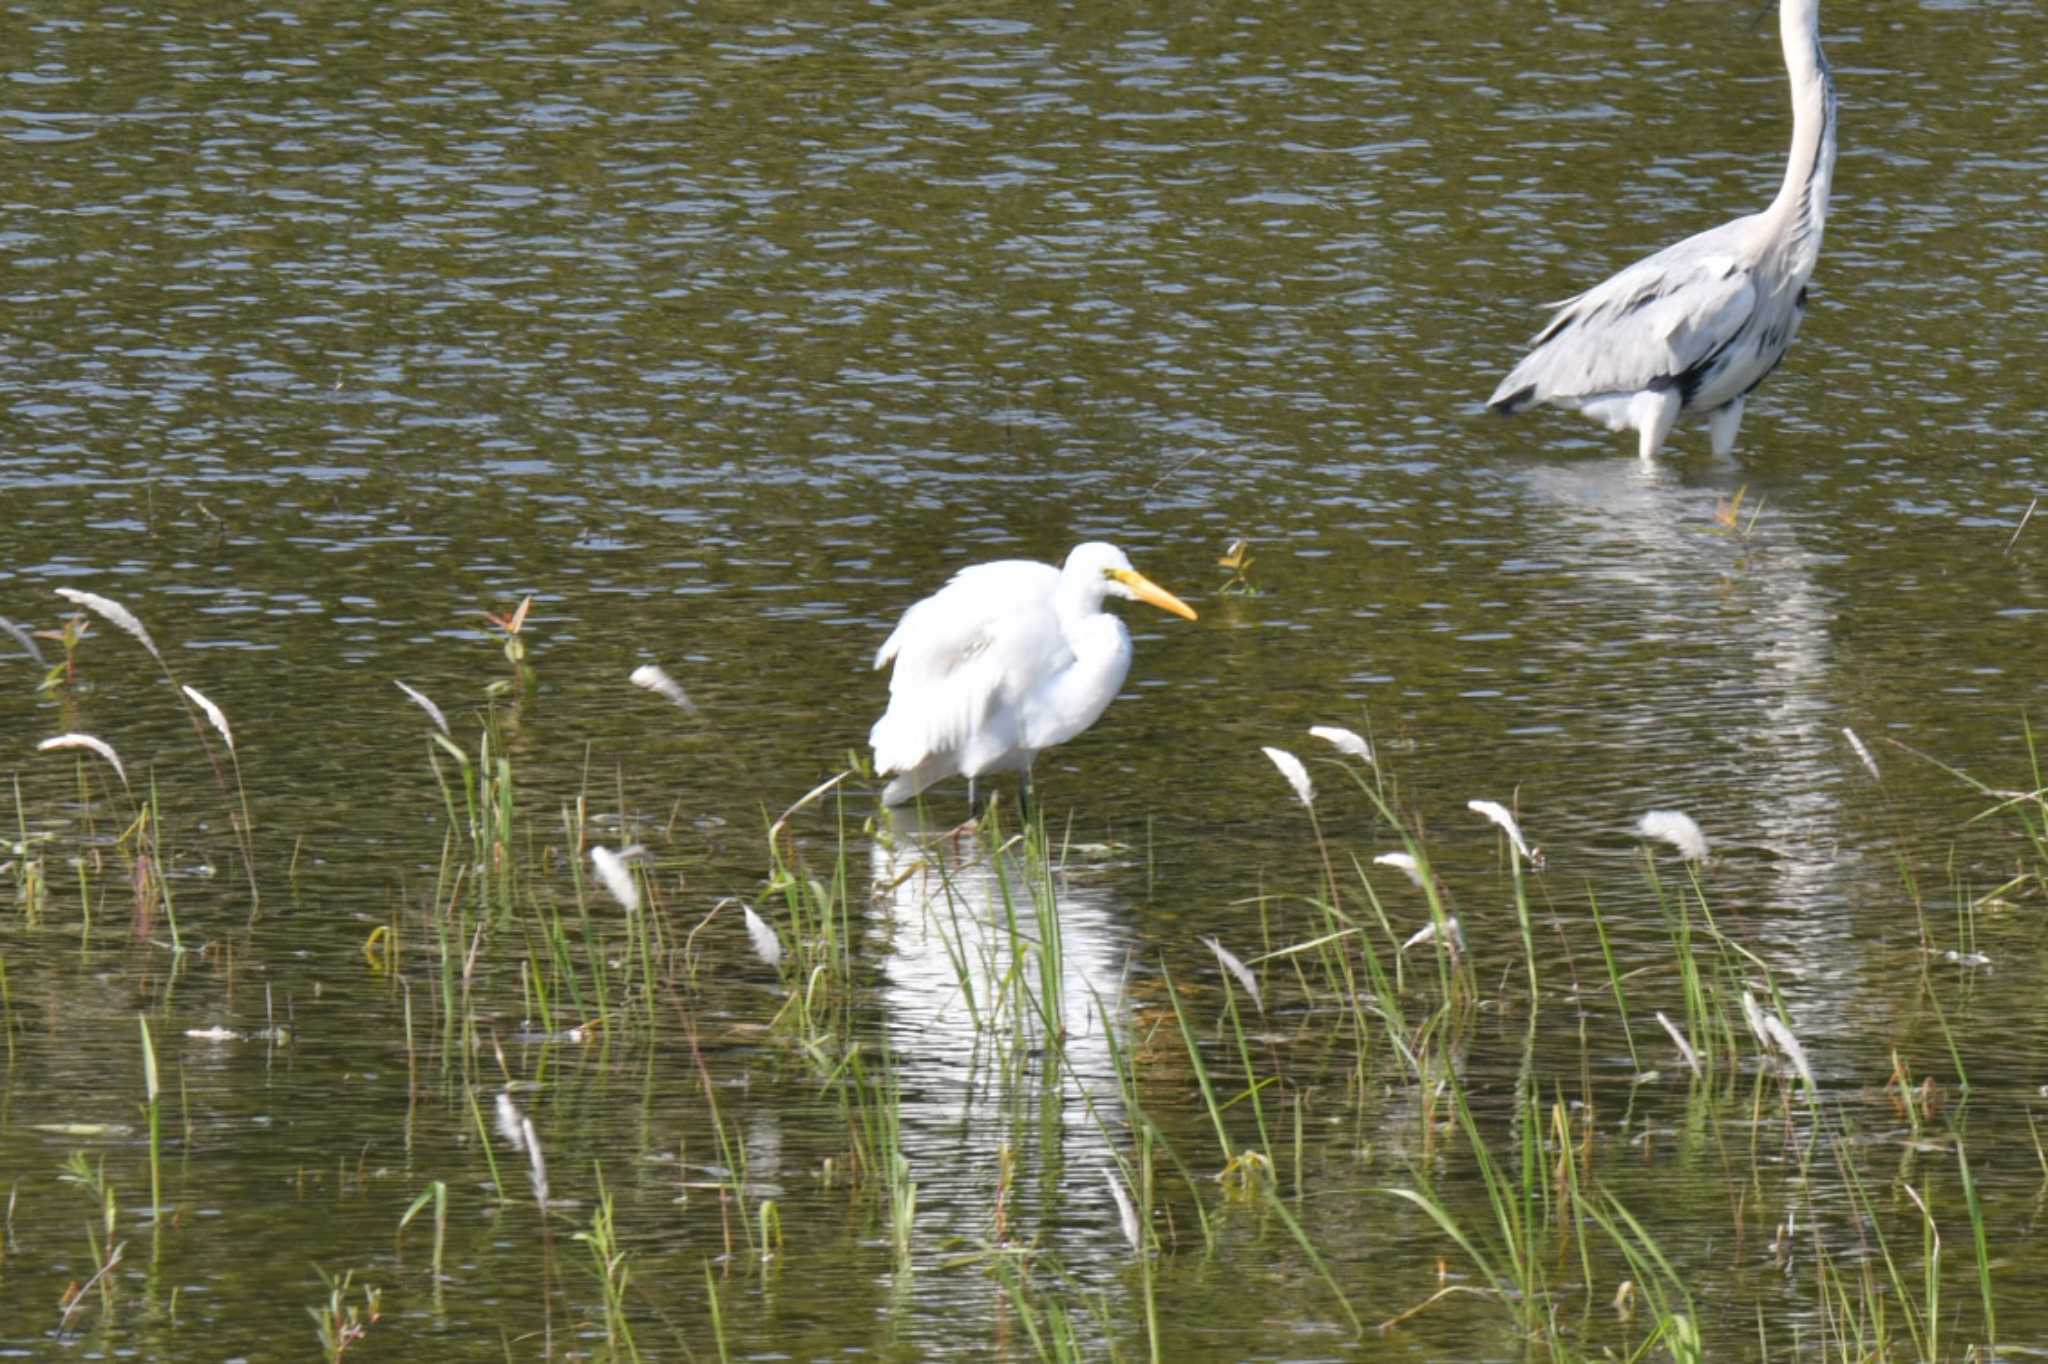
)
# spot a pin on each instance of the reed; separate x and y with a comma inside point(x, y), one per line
point(875, 1103)
point(105, 1253)
point(1376, 1037)
point(1049, 1327)
point(819, 909)
point(1979, 1244)
point(435, 1195)
point(339, 1322)
point(733, 1191)
point(200, 711)
point(613, 1272)
point(153, 1113)
point(1674, 1320)
point(715, 1309)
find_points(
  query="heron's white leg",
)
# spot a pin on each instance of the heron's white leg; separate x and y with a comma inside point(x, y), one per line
point(1652, 413)
point(1722, 423)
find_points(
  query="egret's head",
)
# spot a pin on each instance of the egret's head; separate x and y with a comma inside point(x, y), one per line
point(1107, 563)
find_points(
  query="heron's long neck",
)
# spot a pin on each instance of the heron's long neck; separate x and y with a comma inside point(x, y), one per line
point(1800, 211)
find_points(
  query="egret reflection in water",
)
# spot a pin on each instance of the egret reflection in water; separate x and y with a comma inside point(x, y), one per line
point(974, 988)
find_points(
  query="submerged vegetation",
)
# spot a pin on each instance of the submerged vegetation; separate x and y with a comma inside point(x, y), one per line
point(1417, 1092)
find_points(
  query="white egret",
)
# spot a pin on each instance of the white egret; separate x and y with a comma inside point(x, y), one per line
point(1008, 659)
point(1698, 325)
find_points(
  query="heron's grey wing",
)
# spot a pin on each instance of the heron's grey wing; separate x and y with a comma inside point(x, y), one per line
point(1644, 328)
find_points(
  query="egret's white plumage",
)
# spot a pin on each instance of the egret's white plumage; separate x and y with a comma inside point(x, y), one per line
point(1697, 326)
point(1008, 659)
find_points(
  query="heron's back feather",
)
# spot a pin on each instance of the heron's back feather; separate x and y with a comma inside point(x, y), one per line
point(1653, 325)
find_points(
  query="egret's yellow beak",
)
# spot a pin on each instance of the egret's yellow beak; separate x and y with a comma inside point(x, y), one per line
point(1145, 590)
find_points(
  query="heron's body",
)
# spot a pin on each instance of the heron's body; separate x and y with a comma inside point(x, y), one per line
point(1697, 326)
point(1006, 660)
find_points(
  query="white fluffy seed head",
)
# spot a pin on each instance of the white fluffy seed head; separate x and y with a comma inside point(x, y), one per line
point(1345, 741)
point(1677, 829)
point(213, 714)
point(540, 1164)
point(617, 877)
point(1754, 1017)
point(1684, 1047)
point(1297, 775)
point(1403, 863)
point(1498, 813)
point(1788, 1047)
point(91, 744)
point(433, 711)
point(1126, 1214)
point(1228, 960)
point(510, 1121)
point(1856, 743)
point(114, 613)
point(1454, 934)
point(26, 640)
point(661, 684)
point(767, 946)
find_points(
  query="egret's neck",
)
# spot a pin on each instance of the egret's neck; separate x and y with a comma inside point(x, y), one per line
point(1085, 687)
point(1800, 211)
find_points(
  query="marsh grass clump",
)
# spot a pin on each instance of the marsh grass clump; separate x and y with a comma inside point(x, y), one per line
point(340, 1323)
point(201, 712)
point(1353, 1083)
point(104, 1251)
point(613, 1271)
point(817, 898)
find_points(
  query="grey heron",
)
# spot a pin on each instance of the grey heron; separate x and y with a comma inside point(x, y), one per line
point(1700, 324)
point(1006, 659)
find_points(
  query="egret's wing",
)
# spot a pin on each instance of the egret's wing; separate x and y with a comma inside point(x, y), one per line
point(1643, 328)
point(928, 719)
point(956, 658)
